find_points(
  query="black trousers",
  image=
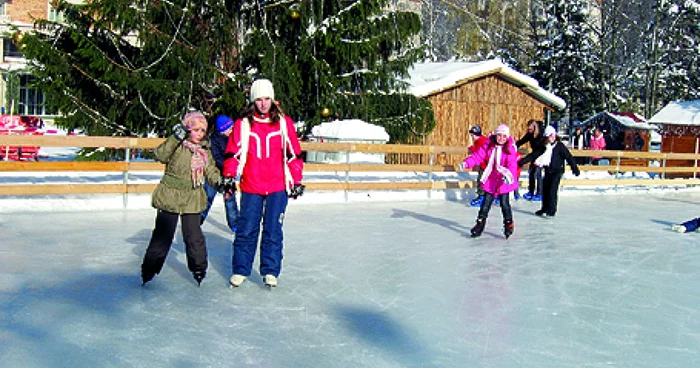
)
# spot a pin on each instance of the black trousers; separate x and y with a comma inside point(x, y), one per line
point(162, 239)
point(534, 180)
point(550, 191)
point(505, 206)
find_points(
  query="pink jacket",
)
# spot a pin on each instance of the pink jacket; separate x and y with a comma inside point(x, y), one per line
point(494, 183)
point(264, 170)
point(598, 144)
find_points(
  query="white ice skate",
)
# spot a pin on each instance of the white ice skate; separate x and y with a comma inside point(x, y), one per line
point(270, 281)
point(678, 228)
point(236, 280)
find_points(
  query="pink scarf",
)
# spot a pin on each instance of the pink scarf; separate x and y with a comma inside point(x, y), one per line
point(198, 162)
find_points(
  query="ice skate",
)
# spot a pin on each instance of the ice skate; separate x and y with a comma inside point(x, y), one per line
point(270, 281)
point(678, 228)
point(236, 280)
point(508, 228)
point(478, 228)
point(199, 276)
point(536, 198)
point(476, 202)
point(527, 196)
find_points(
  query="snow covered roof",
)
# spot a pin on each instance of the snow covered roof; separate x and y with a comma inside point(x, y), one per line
point(352, 129)
point(627, 119)
point(430, 78)
point(678, 113)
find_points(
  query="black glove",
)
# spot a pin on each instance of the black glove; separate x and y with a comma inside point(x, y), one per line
point(180, 132)
point(577, 172)
point(297, 190)
point(227, 185)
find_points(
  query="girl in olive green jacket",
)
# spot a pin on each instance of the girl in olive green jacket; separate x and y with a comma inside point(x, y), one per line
point(180, 193)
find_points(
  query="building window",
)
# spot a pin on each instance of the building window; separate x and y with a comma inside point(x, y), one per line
point(9, 49)
point(31, 100)
point(55, 15)
point(2, 7)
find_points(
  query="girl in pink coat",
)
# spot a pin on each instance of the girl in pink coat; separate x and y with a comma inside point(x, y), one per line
point(263, 156)
point(499, 178)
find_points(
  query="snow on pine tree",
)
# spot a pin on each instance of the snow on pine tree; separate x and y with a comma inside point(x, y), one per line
point(340, 58)
point(567, 59)
point(132, 68)
point(680, 57)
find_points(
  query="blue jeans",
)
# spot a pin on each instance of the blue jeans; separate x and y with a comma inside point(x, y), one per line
point(230, 204)
point(270, 210)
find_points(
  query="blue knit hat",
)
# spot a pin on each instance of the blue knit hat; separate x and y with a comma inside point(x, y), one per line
point(223, 123)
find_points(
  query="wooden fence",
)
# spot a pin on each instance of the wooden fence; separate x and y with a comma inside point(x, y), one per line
point(621, 161)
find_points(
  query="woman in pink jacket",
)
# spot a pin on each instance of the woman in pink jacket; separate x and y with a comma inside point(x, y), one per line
point(597, 144)
point(263, 157)
point(499, 178)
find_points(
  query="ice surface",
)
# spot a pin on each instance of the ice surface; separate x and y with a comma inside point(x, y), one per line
point(390, 284)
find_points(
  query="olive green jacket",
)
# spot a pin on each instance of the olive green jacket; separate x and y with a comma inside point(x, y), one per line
point(175, 192)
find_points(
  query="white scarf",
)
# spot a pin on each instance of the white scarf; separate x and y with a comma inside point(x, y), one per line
point(546, 158)
point(495, 162)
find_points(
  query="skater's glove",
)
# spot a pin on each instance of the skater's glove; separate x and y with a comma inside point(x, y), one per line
point(180, 132)
point(227, 186)
point(297, 191)
point(577, 172)
point(463, 166)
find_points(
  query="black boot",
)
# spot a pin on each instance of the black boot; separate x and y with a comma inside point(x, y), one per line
point(508, 228)
point(479, 227)
point(199, 276)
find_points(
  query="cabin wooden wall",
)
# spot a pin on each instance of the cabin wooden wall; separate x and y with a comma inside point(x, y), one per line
point(486, 102)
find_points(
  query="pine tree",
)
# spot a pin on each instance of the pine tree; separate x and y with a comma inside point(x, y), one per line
point(132, 68)
point(567, 59)
point(340, 58)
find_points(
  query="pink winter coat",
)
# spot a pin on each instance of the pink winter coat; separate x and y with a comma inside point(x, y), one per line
point(264, 171)
point(494, 183)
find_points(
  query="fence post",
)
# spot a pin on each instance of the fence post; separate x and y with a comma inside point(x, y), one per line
point(125, 199)
point(347, 175)
point(430, 173)
point(663, 164)
point(617, 165)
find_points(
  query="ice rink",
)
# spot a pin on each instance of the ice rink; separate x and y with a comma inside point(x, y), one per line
point(392, 284)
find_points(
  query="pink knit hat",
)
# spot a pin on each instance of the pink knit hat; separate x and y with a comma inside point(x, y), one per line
point(503, 129)
point(194, 119)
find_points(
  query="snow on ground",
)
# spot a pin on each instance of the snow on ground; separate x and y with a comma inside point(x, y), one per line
point(386, 284)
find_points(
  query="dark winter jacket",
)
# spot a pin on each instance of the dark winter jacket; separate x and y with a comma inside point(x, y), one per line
point(560, 156)
point(175, 193)
point(218, 148)
point(536, 143)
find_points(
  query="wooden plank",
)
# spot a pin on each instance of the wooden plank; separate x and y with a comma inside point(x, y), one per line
point(629, 182)
point(62, 166)
point(53, 189)
point(79, 141)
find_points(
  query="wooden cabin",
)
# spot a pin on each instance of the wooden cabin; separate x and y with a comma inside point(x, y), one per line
point(486, 94)
point(679, 126)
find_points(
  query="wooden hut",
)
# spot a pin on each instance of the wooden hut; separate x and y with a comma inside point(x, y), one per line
point(679, 126)
point(621, 129)
point(485, 93)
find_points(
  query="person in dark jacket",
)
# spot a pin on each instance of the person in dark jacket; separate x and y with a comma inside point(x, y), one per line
point(219, 140)
point(552, 158)
point(180, 195)
point(687, 226)
point(537, 142)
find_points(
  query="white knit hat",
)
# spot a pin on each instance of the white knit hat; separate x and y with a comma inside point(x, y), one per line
point(550, 131)
point(262, 88)
point(503, 129)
